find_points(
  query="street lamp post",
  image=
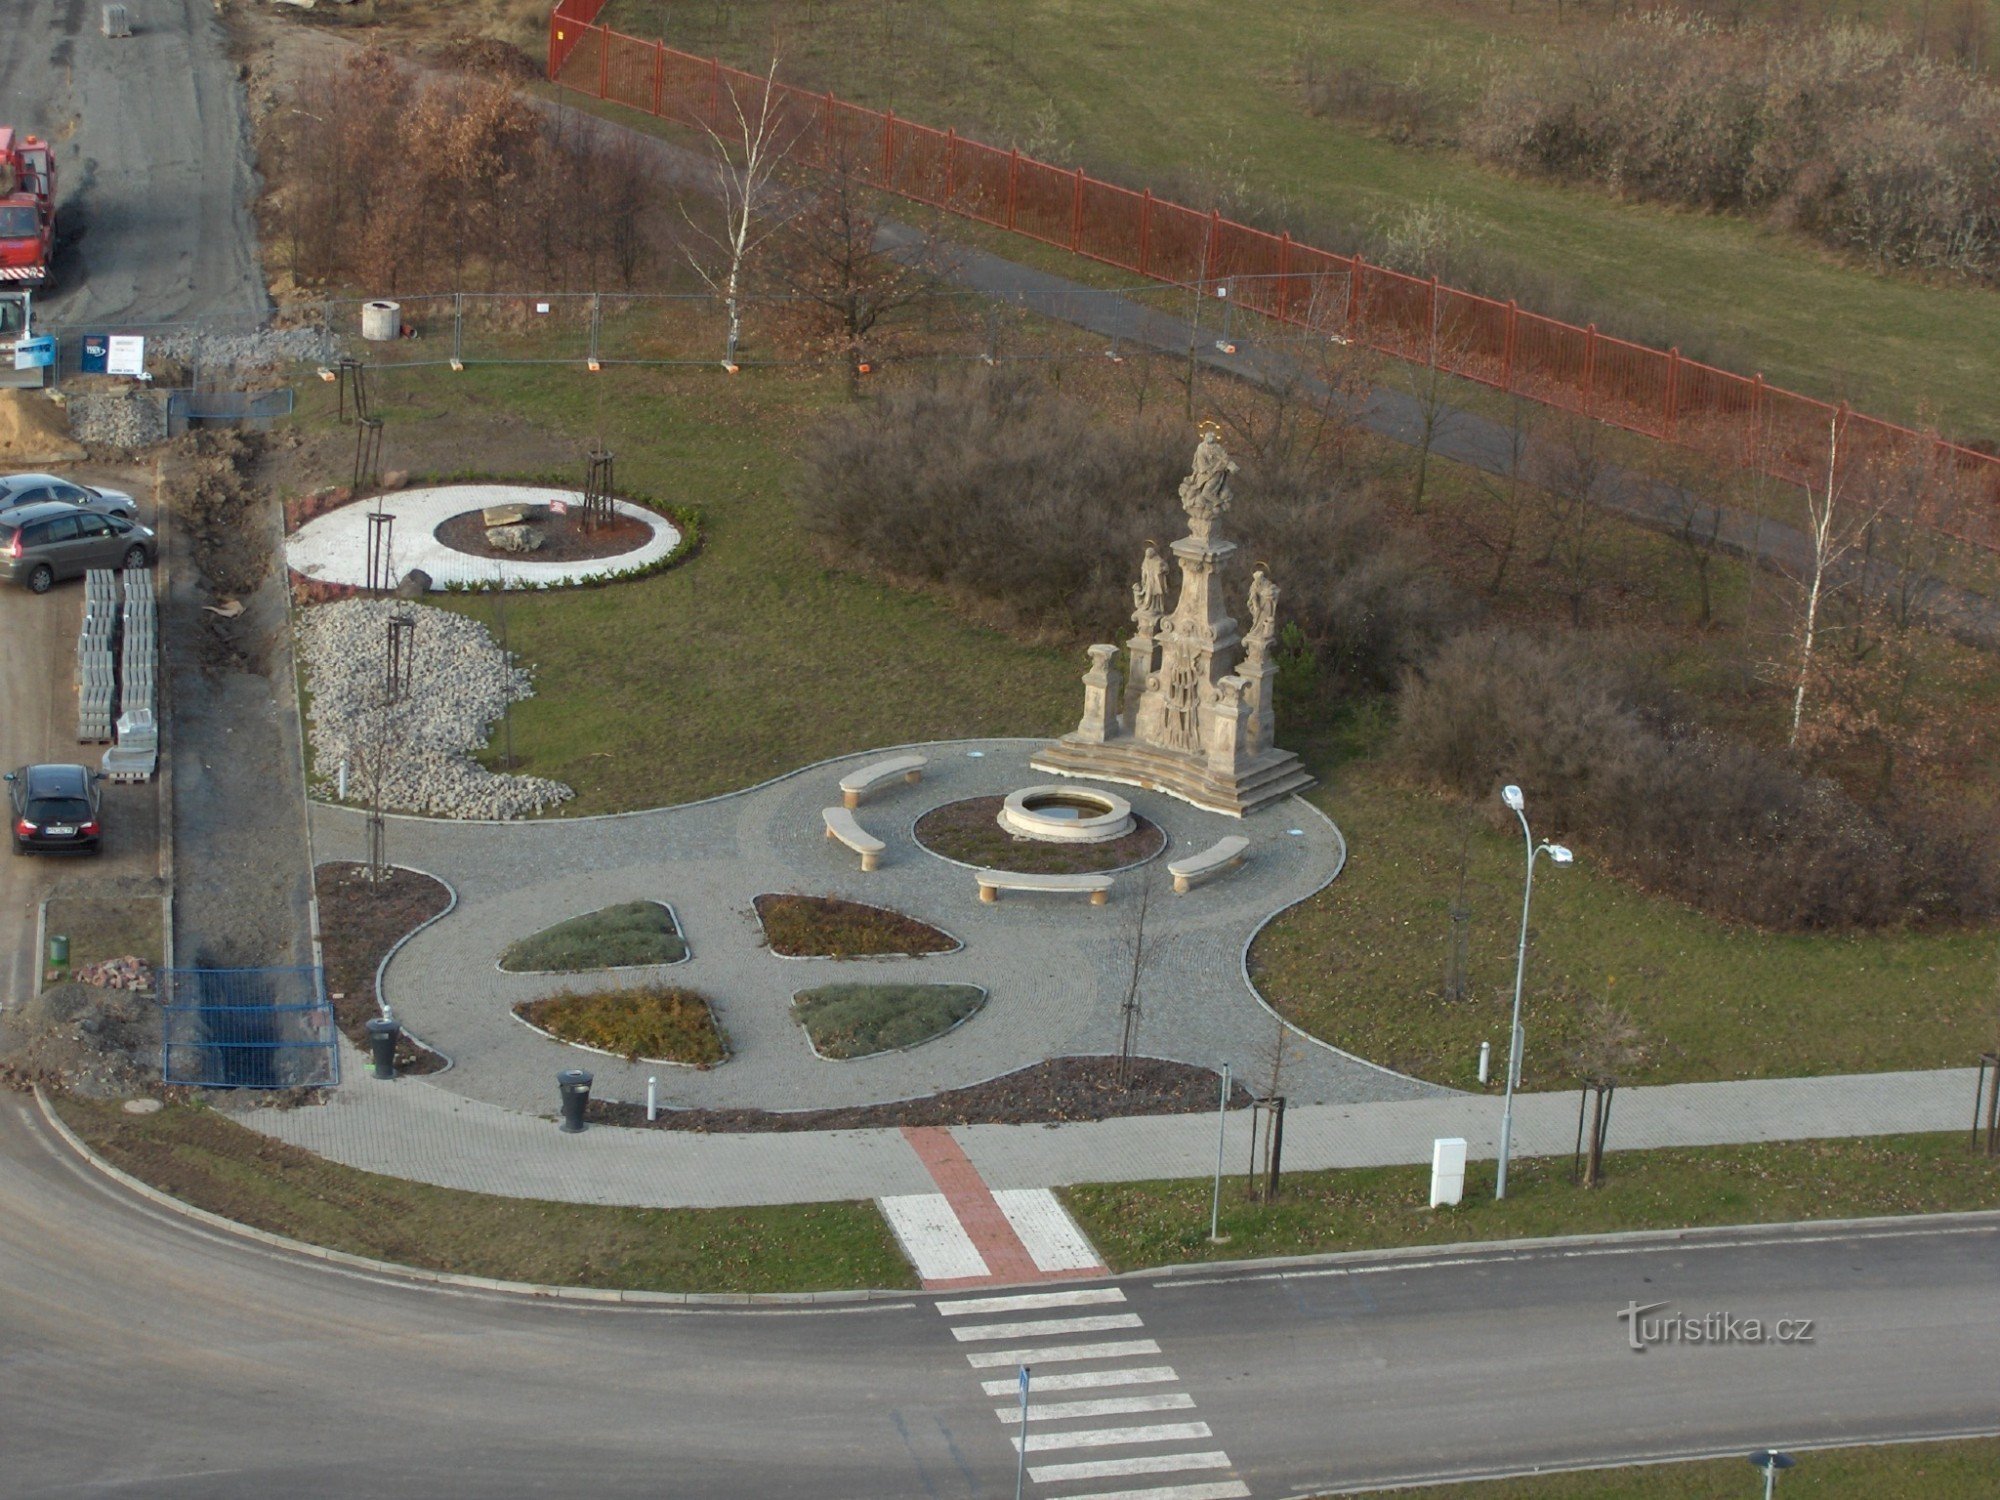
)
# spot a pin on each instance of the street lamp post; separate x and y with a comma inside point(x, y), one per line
point(1772, 1462)
point(1511, 795)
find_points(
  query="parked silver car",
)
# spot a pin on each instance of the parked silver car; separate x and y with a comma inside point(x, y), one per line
point(41, 543)
point(17, 490)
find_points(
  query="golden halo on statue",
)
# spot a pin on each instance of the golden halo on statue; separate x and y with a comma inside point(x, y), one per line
point(1208, 427)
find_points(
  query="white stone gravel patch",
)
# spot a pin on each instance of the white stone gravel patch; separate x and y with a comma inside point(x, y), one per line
point(333, 548)
point(460, 683)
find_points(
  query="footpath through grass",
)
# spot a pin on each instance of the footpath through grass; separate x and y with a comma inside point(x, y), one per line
point(1145, 91)
point(1912, 1471)
point(202, 1157)
point(1144, 1224)
point(1363, 963)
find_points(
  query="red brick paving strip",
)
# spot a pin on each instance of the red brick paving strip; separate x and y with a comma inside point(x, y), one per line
point(1007, 1259)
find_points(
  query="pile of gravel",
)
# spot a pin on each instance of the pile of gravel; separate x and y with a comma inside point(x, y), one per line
point(209, 352)
point(460, 682)
point(119, 419)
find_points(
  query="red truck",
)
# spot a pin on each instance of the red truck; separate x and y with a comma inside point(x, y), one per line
point(27, 209)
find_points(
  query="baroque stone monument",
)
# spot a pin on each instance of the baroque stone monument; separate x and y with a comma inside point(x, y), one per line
point(1192, 712)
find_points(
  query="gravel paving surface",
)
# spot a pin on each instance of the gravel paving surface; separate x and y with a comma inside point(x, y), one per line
point(460, 683)
point(118, 419)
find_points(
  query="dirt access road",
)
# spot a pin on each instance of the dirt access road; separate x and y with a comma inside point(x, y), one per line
point(38, 723)
point(153, 153)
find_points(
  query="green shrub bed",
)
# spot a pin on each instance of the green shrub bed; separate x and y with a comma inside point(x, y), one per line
point(617, 937)
point(859, 1020)
point(825, 927)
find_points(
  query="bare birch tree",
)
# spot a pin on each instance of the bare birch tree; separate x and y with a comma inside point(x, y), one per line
point(1835, 522)
point(745, 152)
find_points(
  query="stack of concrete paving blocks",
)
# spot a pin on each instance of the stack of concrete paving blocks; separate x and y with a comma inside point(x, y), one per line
point(95, 681)
point(137, 753)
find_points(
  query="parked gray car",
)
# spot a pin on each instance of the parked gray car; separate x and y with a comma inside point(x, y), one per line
point(41, 543)
point(17, 490)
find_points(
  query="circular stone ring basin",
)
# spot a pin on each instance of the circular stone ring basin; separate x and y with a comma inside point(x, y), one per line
point(1066, 815)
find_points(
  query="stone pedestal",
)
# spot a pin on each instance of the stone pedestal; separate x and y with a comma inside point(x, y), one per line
point(1100, 698)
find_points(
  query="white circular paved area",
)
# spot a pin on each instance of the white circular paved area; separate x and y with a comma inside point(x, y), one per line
point(333, 548)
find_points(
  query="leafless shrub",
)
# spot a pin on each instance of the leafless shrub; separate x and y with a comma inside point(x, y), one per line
point(1737, 832)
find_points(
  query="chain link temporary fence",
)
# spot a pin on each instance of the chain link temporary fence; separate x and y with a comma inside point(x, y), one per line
point(1575, 369)
point(248, 1028)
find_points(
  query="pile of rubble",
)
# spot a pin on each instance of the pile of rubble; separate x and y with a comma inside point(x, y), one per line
point(420, 747)
point(128, 973)
point(103, 1043)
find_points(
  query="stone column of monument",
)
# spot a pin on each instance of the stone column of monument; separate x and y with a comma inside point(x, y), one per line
point(1227, 723)
point(1199, 638)
point(1100, 697)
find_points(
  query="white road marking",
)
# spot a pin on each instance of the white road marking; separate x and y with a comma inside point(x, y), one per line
point(1045, 1327)
point(1103, 1406)
point(932, 1237)
point(1221, 1489)
point(1084, 1380)
point(1111, 1437)
point(1001, 1359)
point(1053, 1238)
point(1029, 1301)
point(1113, 1468)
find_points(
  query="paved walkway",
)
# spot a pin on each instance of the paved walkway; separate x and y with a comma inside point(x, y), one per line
point(416, 1129)
point(1055, 968)
point(333, 548)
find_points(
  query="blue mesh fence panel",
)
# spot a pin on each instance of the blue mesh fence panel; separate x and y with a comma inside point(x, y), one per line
point(248, 1028)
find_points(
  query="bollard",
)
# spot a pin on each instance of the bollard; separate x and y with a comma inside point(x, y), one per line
point(574, 1085)
point(383, 1032)
point(1485, 1062)
point(652, 1099)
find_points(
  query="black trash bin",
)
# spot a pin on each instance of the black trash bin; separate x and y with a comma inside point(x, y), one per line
point(575, 1086)
point(382, 1036)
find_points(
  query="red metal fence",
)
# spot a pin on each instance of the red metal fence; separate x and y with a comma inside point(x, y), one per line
point(1651, 391)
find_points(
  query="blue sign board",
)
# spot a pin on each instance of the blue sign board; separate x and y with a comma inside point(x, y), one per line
point(35, 353)
point(95, 347)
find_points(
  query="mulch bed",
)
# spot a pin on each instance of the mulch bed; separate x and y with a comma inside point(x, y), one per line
point(563, 538)
point(649, 1023)
point(970, 833)
point(1060, 1090)
point(359, 922)
point(825, 927)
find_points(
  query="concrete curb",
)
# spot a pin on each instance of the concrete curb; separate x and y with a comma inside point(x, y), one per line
point(382, 967)
point(1474, 1250)
point(598, 1296)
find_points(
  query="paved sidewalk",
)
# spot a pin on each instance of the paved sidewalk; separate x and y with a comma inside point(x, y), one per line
point(417, 1130)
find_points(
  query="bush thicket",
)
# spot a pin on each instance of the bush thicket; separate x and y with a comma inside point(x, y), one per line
point(992, 484)
point(1844, 132)
point(1739, 833)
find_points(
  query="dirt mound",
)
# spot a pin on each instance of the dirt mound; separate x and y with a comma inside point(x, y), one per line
point(208, 489)
point(98, 1042)
point(34, 430)
point(483, 57)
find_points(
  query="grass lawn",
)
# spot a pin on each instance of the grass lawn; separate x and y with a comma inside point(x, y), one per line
point(752, 658)
point(101, 927)
point(1367, 1208)
point(1362, 964)
point(1912, 1471)
point(1145, 92)
point(202, 1157)
point(625, 936)
point(858, 1020)
point(653, 1023)
point(824, 927)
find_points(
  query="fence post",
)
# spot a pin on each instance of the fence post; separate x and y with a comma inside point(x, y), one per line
point(603, 61)
point(1076, 214)
point(1435, 365)
point(1354, 269)
point(1013, 183)
point(596, 323)
point(1146, 234)
point(659, 75)
point(888, 147)
point(458, 329)
point(1673, 393)
point(950, 165)
point(1589, 366)
point(1285, 277)
point(1507, 348)
point(1752, 439)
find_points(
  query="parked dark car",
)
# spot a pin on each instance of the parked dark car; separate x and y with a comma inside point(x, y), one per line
point(55, 809)
point(41, 543)
point(17, 490)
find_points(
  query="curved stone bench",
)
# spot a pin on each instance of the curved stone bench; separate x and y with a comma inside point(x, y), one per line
point(993, 882)
point(842, 824)
point(1223, 854)
point(857, 784)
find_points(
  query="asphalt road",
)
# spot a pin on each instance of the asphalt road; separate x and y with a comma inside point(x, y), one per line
point(154, 173)
point(144, 1355)
point(38, 723)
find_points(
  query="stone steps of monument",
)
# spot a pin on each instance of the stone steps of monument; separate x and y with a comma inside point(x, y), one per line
point(1275, 776)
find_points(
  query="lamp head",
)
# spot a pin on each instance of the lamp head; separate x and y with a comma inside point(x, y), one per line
point(1511, 795)
point(1560, 854)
